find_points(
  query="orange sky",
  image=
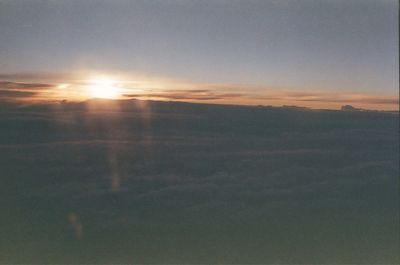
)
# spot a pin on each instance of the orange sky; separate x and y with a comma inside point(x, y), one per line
point(31, 88)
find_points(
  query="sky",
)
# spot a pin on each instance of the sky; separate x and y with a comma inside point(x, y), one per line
point(261, 50)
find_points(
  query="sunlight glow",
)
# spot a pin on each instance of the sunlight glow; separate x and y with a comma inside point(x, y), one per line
point(63, 86)
point(104, 87)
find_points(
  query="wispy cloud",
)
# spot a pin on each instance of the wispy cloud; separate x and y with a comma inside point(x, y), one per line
point(17, 85)
point(330, 97)
point(33, 76)
point(272, 97)
point(196, 92)
point(16, 94)
point(17, 91)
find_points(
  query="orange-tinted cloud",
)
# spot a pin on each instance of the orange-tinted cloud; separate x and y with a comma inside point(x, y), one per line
point(18, 85)
point(16, 94)
point(192, 95)
point(278, 98)
point(207, 93)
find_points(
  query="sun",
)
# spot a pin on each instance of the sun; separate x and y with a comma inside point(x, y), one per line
point(104, 87)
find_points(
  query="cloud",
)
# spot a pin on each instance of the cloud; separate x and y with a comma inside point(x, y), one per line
point(17, 85)
point(349, 99)
point(16, 91)
point(190, 94)
point(198, 92)
point(287, 173)
point(31, 76)
point(16, 94)
point(318, 99)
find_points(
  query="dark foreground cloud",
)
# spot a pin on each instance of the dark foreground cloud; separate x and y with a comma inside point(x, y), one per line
point(188, 183)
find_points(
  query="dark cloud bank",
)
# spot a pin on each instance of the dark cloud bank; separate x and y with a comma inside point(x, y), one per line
point(158, 182)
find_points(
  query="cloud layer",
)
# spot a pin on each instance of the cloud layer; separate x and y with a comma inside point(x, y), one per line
point(150, 181)
point(206, 93)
